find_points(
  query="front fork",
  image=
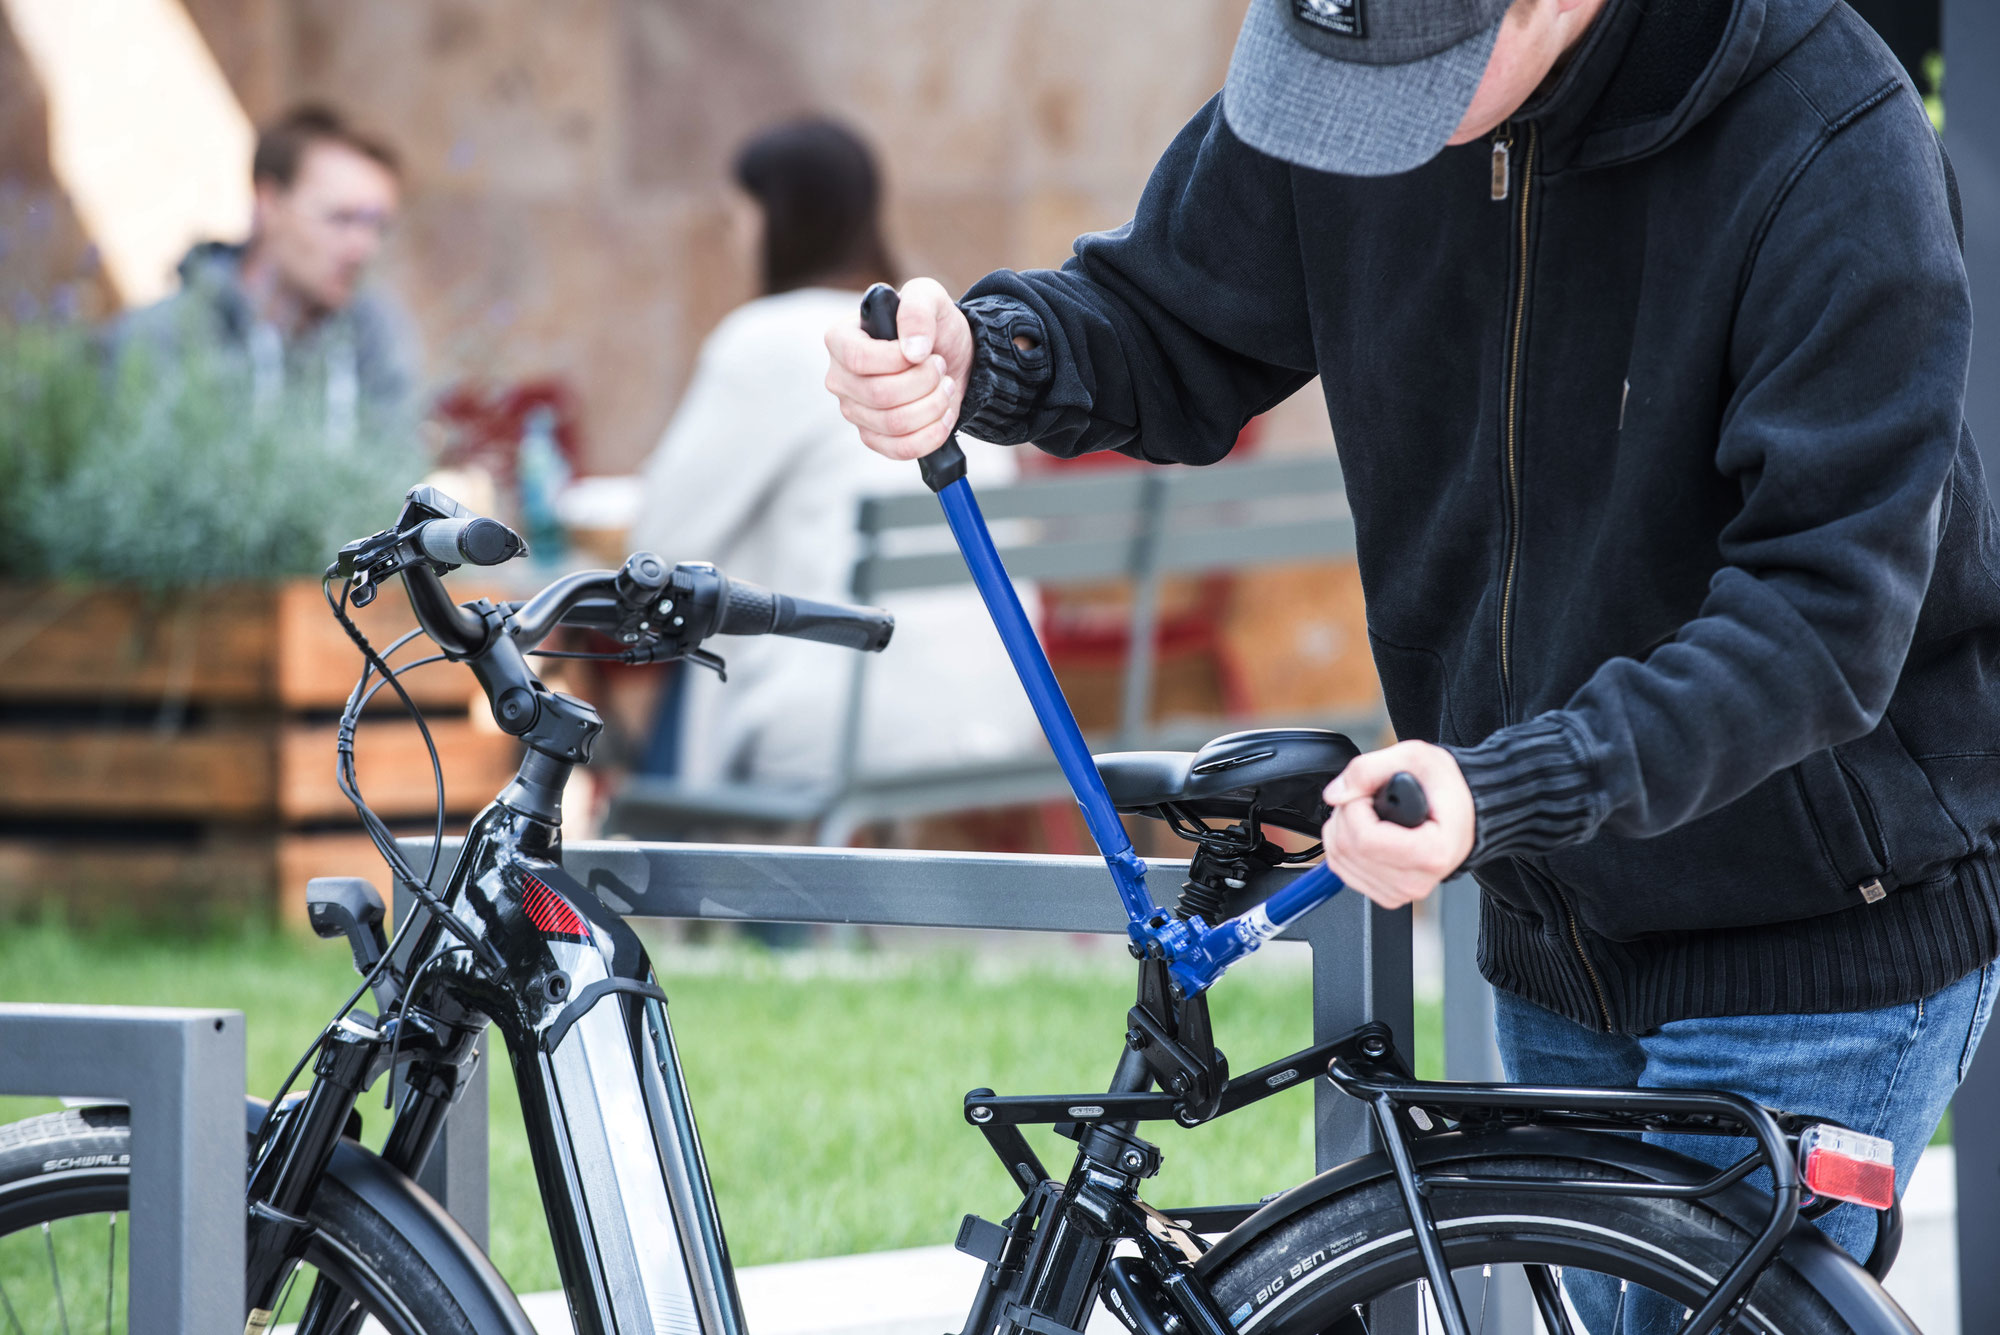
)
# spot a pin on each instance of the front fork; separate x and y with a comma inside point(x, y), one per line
point(286, 1176)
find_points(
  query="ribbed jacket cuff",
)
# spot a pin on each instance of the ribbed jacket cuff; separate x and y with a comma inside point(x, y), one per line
point(1533, 790)
point(1006, 382)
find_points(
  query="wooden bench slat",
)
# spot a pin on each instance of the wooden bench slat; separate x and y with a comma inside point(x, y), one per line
point(393, 769)
point(220, 773)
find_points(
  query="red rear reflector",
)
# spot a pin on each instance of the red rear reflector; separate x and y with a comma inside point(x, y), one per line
point(550, 912)
point(1848, 1166)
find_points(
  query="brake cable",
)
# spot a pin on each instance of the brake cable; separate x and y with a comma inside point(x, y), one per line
point(378, 831)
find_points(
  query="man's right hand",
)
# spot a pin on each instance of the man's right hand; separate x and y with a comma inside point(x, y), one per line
point(904, 393)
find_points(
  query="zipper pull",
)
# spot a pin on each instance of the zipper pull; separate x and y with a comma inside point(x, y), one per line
point(1503, 163)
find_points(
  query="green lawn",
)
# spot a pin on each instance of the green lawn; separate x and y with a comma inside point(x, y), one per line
point(827, 1082)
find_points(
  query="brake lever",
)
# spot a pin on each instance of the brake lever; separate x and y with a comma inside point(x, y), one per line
point(366, 562)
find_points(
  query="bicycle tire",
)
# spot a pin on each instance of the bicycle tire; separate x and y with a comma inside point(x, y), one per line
point(77, 1162)
point(1310, 1273)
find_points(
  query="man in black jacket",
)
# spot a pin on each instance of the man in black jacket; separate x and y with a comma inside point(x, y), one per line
point(1644, 332)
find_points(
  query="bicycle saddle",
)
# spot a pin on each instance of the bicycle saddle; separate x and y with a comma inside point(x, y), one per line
point(1281, 770)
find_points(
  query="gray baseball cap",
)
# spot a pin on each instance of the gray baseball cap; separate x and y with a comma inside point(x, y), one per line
point(1359, 87)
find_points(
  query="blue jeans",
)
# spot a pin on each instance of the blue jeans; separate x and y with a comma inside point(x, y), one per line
point(1888, 1072)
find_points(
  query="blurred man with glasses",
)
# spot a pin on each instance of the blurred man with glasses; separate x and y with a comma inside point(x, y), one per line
point(288, 314)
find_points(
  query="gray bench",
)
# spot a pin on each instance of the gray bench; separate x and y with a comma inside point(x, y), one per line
point(1141, 525)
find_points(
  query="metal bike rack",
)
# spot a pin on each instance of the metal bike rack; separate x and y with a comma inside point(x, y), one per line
point(181, 1072)
point(1360, 971)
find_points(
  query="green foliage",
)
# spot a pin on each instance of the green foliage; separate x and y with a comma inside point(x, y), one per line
point(159, 471)
point(1934, 90)
point(827, 1084)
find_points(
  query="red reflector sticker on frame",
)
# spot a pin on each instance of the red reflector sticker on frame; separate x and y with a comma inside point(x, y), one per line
point(551, 913)
point(1848, 1166)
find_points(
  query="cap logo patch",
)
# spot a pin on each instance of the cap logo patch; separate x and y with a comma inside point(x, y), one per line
point(1337, 16)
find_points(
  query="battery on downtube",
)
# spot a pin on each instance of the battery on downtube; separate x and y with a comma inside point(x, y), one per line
point(944, 472)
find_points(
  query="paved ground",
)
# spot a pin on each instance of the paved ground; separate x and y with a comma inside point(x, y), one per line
point(926, 1290)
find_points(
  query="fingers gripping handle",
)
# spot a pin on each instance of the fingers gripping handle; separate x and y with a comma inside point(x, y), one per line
point(750, 610)
point(1402, 801)
point(945, 464)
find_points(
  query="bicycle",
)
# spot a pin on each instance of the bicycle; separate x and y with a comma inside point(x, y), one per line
point(510, 940)
point(1469, 1177)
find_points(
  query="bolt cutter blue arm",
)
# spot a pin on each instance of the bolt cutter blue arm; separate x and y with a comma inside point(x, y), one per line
point(1196, 953)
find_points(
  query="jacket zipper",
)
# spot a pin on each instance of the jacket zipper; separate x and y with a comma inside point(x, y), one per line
point(1500, 150)
point(1576, 944)
point(1500, 187)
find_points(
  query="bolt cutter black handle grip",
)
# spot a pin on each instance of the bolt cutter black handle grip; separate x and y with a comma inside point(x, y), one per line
point(945, 464)
point(1402, 801)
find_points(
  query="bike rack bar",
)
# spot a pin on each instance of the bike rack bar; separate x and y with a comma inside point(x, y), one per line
point(1361, 955)
point(181, 1072)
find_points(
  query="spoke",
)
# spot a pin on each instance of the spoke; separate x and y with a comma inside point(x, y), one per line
point(1485, 1290)
point(1618, 1314)
point(12, 1320)
point(110, 1273)
point(62, 1308)
point(1363, 1319)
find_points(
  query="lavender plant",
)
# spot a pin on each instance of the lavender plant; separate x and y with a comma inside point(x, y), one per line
point(164, 472)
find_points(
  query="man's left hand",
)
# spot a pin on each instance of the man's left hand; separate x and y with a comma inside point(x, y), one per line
point(1391, 865)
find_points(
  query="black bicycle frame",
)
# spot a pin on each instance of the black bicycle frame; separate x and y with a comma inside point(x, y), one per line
point(568, 986)
point(637, 1237)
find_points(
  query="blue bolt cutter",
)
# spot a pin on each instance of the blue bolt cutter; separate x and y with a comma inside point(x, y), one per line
point(1196, 952)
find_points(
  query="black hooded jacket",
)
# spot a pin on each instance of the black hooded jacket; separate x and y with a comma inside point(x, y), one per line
point(1650, 411)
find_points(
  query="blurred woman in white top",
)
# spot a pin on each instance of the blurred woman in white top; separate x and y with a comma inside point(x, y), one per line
point(759, 473)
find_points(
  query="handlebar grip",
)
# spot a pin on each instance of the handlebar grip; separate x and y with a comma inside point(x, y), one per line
point(945, 464)
point(1402, 801)
point(750, 610)
point(471, 541)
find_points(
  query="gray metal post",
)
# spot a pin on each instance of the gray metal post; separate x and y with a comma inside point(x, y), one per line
point(1469, 1050)
point(1361, 972)
point(1471, 1054)
point(1135, 707)
point(1972, 137)
point(181, 1071)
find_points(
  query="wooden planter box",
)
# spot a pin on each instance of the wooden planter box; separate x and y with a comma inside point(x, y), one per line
point(159, 754)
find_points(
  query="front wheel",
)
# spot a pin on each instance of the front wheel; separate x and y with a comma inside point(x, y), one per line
point(64, 1188)
point(1609, 1265)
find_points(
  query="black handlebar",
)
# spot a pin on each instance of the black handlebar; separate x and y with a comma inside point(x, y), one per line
point(749, 610)
point(945, 464)
point(471, 541)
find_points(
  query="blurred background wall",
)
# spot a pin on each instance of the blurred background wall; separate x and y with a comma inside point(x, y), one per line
point(567, 159)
